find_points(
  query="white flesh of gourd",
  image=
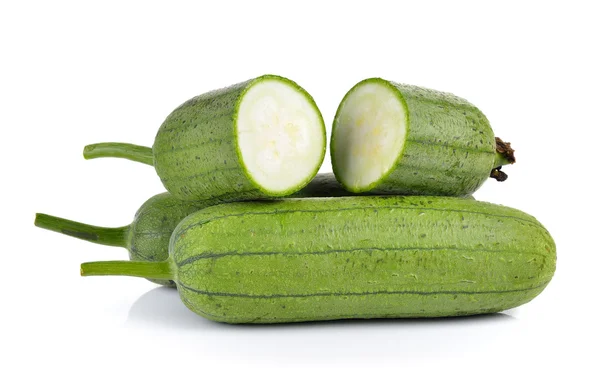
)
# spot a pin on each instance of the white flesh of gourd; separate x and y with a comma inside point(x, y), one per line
point(368, 136)
point(280, 135)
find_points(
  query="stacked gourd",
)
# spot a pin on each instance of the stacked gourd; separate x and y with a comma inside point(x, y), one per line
point(248, 232)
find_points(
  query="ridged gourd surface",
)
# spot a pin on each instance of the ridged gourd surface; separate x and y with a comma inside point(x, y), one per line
point(193, 143)
point(154, 222)
point(359, 257)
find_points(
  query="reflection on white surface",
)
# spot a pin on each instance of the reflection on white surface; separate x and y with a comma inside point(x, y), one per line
point(162, 307)
point(161, 310)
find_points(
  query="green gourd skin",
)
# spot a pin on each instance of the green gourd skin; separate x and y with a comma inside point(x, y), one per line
point(351, 257)
point(450, 148)
point(147, 237)
point(196, 153)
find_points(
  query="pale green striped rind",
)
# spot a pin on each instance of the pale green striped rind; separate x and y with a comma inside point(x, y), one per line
point(449, 148)
point(155, 220)
point(196, 153)
point(153, 225)
point(359, 257)
point(378, 305)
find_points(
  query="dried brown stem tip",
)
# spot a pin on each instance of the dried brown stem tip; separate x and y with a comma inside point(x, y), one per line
point(506, 151)
point(498, 175)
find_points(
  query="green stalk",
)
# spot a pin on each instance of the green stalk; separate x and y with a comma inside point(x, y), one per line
point(131, 152)
point(150, 270)
point(110, 236)
point(501, 159)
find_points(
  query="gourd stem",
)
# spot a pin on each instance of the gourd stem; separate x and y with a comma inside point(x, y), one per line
point(150, 270)
point(505, 154)
point(131, 152)
point(110, 236)
point(500, 160)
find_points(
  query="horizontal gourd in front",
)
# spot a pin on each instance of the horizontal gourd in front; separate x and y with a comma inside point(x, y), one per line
point(405, 256)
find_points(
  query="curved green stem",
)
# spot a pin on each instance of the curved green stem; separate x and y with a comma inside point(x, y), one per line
point(110, 236)
point(131, 152)
point(151, 270)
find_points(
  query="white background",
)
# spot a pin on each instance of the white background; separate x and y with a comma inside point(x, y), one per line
point(72, 73)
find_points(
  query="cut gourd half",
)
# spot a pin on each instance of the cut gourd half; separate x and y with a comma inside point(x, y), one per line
point(280, 135)
point(368, 136)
